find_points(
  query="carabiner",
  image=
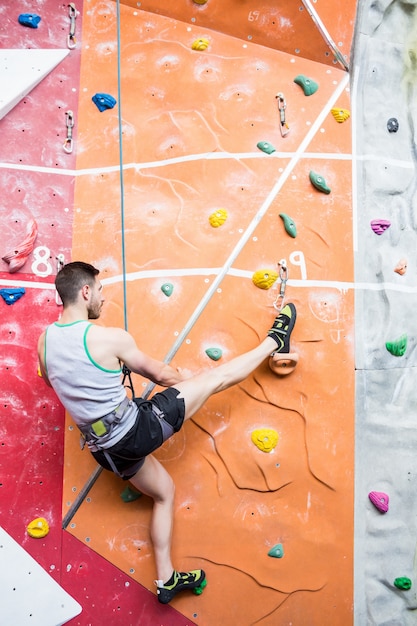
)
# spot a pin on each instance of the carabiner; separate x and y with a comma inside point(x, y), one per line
point(282, 105)
point(71, 41)
point(283, 276)
point(68, 144)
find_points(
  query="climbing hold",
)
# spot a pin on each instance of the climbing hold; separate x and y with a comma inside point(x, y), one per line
point(380, 226)
point(318, 182)
point(277, 552)
point(392, 125)
point(218, 218)
point(308, 85)
point(29, 19)
point(289, 225)
point(17, 257)
point(340, 115)
point(265, 439)
point(10, 296)
point(199, 590)
point(200, 44)
point(214, 353)
point(283, 366)
point(264, 279)
point(38, 528)
point(380, 500)
point(401, 267)
point(167, 289)
point(265, 147)
point(398, 347)
point(104, 101)
point(200, 1)
point(402, 582)
point(130, 495)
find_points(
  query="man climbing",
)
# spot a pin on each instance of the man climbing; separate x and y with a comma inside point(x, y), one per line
point(83, 363)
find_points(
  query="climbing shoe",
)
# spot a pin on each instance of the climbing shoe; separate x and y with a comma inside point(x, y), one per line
point(180, 581)
point(282, 327)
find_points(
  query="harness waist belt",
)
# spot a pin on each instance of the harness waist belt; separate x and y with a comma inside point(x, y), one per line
point(104, 425)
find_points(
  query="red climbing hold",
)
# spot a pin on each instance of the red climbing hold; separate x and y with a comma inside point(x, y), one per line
point(380, 500)
point(17, 257)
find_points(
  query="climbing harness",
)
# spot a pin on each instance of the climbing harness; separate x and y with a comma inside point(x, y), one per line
point(102, 429)
point(282, 105)
point(283, 276)
point(69, 122)
point(71, 41)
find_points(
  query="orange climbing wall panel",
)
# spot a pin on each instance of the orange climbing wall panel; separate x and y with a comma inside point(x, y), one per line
point(191, 122)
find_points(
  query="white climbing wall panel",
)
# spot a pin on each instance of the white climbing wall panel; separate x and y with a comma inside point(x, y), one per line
point(21, 71)
point(29, 595)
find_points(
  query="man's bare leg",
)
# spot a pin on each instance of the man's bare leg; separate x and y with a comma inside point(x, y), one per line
point(154, 481)
point(198, 389)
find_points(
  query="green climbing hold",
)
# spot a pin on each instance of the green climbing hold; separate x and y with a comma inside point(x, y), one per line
point(308, 85)
point(214, 353)
point(199, 590)
point(402, 583)
point(167, 289)
point(277, 552)
point(398, 347)
point(289, 225)
point(266, 147)
point(129, 495)
point(318, 182)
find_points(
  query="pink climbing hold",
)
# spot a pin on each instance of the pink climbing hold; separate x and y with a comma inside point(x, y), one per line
point(380, 226)
point(17, 257)
point(380, 500)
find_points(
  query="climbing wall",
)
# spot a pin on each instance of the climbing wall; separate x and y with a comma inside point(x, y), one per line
point(385, 227)
point(191, 121)
point(201, 131)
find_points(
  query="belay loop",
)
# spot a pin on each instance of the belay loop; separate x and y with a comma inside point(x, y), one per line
point(129, 384)
point(283, 276)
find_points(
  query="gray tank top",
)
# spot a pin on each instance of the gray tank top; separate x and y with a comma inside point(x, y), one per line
point(87, 390)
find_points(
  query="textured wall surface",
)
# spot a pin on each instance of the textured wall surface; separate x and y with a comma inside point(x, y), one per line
point(190, 122)
point(385, 77)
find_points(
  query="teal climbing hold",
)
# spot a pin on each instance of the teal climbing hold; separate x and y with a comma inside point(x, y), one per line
point(129, 495)
point(308, 85)
point(12, 295)
point(265, 146)
point(214, 353)
point(277, 552)
point(398, 347)
point(167, 289)
point(318, 182)
point(289, 225)
point(402, 582)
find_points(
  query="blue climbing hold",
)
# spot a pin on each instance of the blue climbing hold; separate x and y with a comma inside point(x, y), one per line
point(10, 296)
point(29, 19)
point(104, 101)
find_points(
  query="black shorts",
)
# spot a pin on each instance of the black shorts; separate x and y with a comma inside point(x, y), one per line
point(157, 420)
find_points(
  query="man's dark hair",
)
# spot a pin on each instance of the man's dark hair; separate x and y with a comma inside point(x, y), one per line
point(72, 277)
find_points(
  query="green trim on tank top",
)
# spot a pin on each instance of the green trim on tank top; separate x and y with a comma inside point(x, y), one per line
point(103, 369)
point(70, 324)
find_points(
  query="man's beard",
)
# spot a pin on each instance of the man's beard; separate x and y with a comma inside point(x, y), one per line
point(94, 312)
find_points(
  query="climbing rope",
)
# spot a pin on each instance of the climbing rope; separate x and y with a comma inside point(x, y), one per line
point(126, 372)
point(121, 176)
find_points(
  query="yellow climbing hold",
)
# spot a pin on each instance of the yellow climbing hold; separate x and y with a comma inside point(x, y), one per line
point(38, 528)
point(200, 1)
point(265, 439)
point(218, 218)
point(264, 279)
point(340, 115)
point(200, 44)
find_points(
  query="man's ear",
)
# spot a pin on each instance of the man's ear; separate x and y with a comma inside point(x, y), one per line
point(85, 292)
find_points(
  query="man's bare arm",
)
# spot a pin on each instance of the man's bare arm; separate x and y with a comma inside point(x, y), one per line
point(41, 353)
